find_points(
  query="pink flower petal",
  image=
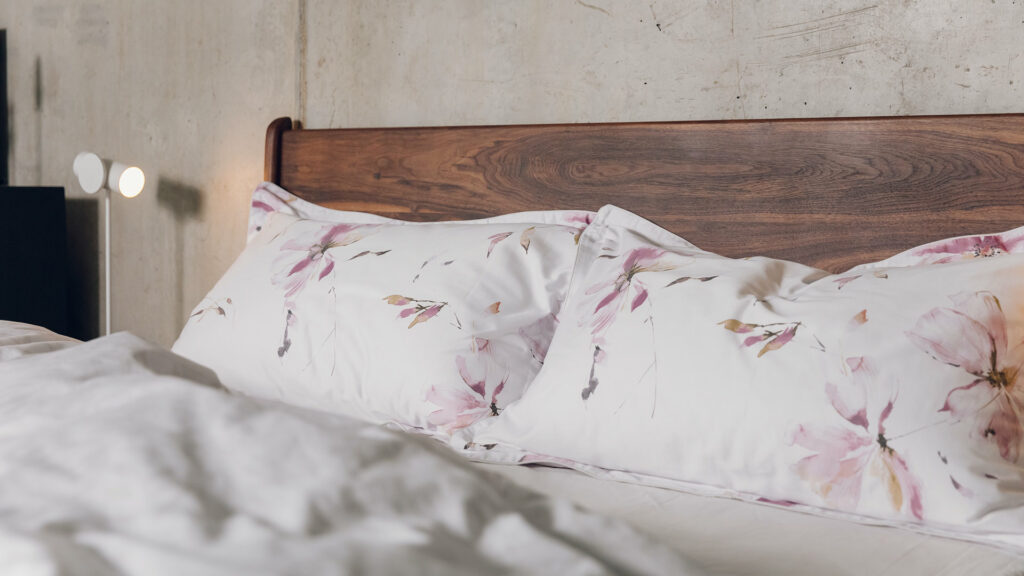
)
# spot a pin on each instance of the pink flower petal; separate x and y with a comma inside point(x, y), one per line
point(984, 307)
point(832, 441)
point(954, 338)
point(260, 205)
point(856, 414)
point(494, 241)
point(905, 481)
point(751, 340)
point(327, 269)
point(477, 386)
point(642, 256)
point(778, 341)
point(425, 315)
point(640, 298)
point(612, 297)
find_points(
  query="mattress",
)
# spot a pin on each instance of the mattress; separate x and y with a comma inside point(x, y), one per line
point(733, 537)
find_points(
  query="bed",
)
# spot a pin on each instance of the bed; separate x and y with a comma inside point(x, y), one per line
point(121, 457)
point(830, 193)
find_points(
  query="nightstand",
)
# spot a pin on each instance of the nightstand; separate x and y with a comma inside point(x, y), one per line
point(33, 257)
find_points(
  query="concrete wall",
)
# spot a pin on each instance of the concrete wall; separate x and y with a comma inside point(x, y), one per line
point(185, 89)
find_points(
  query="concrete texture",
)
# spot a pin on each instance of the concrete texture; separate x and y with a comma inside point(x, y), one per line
point(413, 63)
point(185, 89)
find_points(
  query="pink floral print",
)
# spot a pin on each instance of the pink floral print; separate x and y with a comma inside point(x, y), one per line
point(844, 454)
point(774, 335)
point(495, 239)
point(422, 309)
point(971, 247)
point(643, 259)
point(583, 219)
point(971, 335)
point(461, 407)
point(308, 255)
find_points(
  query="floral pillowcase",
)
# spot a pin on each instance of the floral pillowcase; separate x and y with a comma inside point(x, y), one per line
point(269, 198)
point(431, 326)
point(891, 394)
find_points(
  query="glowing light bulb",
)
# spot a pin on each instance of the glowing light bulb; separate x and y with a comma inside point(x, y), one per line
point(127, 180)
point(131, 182)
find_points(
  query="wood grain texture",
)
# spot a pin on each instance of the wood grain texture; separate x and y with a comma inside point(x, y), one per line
point(831, 193)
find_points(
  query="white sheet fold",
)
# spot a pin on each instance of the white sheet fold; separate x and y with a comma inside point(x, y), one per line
point(118, 457)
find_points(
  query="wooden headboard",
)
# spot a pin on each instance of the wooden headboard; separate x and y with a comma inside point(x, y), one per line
point(831, 192)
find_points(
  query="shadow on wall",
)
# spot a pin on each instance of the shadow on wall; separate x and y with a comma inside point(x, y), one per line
point(185, 203)
point(84, 255)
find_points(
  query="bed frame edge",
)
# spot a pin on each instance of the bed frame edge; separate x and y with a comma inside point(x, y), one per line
point(272, 150)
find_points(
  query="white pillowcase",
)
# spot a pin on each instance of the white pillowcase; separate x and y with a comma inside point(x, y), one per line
point(890, 394)
point(427, 325)
point(269, 198)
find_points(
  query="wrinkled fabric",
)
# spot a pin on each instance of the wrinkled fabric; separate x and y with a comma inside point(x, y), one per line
point(118, 457)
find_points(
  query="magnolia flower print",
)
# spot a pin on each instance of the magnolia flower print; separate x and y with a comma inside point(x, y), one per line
point(626, 289)
point(463, 406)
point(308, 256)
point(971, 335)
point(845, 453)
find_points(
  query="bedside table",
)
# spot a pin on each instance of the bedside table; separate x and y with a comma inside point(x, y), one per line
point(33, 257)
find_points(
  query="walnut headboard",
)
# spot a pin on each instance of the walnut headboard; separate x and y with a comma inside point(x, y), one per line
point(829, 192)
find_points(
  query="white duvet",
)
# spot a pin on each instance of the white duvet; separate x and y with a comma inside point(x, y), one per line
point(118, 457)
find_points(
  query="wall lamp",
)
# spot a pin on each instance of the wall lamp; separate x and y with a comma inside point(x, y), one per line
point(95, 174)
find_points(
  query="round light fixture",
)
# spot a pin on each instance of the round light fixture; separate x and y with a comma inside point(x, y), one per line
point(130, 181)
point(90, 171)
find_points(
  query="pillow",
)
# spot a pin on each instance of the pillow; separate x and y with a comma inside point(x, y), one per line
point(431, 326)
point(954, 250)
point(269, 198)
point(895, 396)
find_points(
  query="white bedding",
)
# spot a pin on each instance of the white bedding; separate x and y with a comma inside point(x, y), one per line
point(118, 457)
point(733, 537)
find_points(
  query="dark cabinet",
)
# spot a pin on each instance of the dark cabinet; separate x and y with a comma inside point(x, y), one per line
point(33, 257)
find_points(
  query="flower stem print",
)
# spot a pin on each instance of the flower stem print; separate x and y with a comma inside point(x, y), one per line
point(286, 341)
point(592, 382)
point(460, 408)
point(971, 335)
point(308, 256)
point(843, 454)
point(368, 253)
point(422, 310)
point(775, 335)
point(682, 279)
point(213, 307)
